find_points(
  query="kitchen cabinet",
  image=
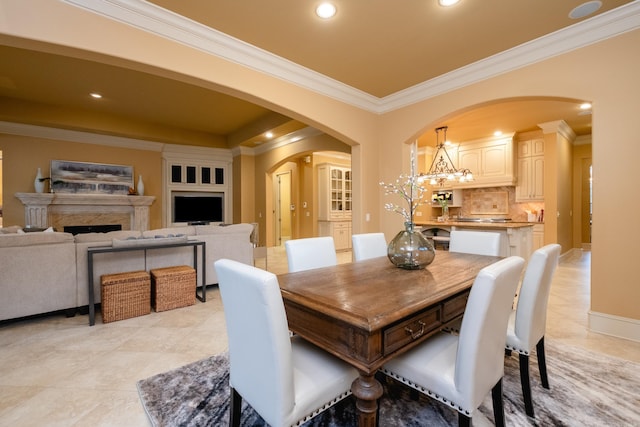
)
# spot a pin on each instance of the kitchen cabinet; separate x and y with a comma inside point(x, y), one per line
point(339, 230)
point(334, 192)
point(334, 204)
point(530, 185)
point(490, 161)
point(537, 237)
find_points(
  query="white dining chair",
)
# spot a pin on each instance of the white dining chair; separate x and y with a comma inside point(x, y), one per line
point(459, 370)
point(368, 245)
point(474, 242)
point(312, 252)
point(527, 323)
point(287, 381)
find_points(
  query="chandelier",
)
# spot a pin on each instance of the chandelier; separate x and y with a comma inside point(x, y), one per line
point(442, 168)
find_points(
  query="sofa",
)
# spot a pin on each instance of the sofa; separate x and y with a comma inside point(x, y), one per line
point(42, 272)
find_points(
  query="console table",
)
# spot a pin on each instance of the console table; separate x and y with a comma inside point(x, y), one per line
point(108, 249)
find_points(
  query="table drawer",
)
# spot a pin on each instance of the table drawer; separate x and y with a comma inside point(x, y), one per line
point(411, 329)
point(454, 306)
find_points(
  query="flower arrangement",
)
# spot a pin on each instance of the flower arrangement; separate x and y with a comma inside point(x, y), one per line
point(441, 199)
point(409, 187)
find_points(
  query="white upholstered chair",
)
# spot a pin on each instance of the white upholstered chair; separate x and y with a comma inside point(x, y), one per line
point(459, 370)
point(285, 380)
point(527, 322)
point(475, 242)
point(312, 252)
point(368, 245)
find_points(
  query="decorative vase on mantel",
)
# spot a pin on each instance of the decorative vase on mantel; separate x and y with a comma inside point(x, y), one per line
point(38, 183)
point(410, 249)
point(445, 212)
point(140, 186)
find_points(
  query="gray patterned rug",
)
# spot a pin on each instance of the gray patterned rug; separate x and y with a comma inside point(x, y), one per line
point(587, 389)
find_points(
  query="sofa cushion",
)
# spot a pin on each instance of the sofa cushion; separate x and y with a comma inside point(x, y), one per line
point(224, 229)
point(146, 241)
point(170, 231)
point(106, 237)
point(34, 238)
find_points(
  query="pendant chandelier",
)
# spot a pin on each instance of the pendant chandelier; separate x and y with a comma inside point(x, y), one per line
point(442, 168)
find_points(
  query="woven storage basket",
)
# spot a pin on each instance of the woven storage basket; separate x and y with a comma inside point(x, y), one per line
point(173, 287)
point(125, 295)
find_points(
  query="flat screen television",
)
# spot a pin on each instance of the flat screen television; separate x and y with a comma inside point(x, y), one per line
point(197, 207)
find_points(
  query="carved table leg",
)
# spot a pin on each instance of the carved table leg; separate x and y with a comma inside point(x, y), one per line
point(367, 391)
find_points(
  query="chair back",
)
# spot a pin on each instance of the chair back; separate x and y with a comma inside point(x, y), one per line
point(475, 242)
point(260, 352)
point(531, 309)
point(480, 354)
point(312, 252)
point(368, 245)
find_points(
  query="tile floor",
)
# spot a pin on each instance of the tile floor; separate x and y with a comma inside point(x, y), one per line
point(58, 371)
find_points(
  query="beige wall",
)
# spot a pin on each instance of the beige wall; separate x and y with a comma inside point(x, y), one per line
point(604, 73)
point(23, 155)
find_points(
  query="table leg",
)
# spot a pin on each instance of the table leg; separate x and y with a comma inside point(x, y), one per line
point(92, 309)
point(367, 390)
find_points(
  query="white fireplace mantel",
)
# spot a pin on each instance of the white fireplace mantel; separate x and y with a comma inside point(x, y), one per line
point(38, 207)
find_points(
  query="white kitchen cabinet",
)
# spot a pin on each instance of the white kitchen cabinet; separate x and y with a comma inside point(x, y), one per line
point(538, 237)
point(334, 204)
point(334, 192)
point(490, 161)
point(530, 171)
point(339, 230)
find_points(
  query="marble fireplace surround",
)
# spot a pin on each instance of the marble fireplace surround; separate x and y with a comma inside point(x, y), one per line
point(58, 210)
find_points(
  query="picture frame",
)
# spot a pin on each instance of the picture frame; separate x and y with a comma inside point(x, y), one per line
point(90, 178)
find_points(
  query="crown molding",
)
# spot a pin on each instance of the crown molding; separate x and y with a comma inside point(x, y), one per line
point(78, 136)
point(164, 23)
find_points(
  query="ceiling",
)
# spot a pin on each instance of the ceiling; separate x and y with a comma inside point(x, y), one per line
point(379, 47)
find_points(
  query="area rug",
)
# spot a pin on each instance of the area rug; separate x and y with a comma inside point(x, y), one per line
point(587, 389)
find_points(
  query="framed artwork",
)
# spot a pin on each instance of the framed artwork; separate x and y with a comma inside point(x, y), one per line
point(88, 178)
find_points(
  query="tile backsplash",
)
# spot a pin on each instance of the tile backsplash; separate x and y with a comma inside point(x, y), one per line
point(492, 202)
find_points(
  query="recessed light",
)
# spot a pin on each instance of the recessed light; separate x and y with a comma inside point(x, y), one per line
point(326, 10)
point(446, 3)
point(585, 9)
point(95, 95)
point(585, 106)
point(269, 135)
point(497, 133)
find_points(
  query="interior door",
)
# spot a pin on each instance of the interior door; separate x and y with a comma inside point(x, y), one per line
point(282, 203)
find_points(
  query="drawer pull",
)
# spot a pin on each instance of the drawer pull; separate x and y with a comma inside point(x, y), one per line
point(416, 335)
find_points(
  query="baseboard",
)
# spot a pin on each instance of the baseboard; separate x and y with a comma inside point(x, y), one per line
point(621, 327)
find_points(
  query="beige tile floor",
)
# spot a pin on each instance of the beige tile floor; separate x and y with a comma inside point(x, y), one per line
point(58, 371)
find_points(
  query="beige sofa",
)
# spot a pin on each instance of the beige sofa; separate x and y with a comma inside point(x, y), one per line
point(42, 272)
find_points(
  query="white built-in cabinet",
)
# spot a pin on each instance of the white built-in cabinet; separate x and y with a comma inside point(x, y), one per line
point(334, 204)
point(490, 161)
point(530, 185)
point(538, 236)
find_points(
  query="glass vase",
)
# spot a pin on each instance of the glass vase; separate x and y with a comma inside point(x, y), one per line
point(445, 213)
point(410, 249)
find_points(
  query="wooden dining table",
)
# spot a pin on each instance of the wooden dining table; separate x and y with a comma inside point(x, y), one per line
point(370, 311)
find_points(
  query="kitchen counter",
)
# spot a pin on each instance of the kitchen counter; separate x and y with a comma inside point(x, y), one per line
point(465, 224)
point(516, 238)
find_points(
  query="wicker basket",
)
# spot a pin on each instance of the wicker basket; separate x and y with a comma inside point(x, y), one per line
point(125, 295)
point(173, 287)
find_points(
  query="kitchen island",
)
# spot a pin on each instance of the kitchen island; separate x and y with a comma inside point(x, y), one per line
point(516, 238)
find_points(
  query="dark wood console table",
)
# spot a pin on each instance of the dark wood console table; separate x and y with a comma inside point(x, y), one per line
point(108, 249)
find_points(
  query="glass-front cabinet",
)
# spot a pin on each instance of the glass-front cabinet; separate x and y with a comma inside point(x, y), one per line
point(334, 204)
point(334, 192)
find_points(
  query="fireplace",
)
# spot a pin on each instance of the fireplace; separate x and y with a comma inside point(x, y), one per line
point(65, 210)
point(80, 229)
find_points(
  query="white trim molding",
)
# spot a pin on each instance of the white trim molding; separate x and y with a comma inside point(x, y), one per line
point(164, 23)
point(616, 326)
